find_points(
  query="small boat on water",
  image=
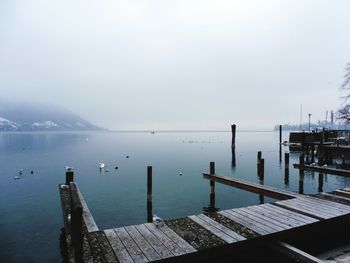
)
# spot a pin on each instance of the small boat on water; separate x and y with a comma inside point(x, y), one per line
point(153, 132)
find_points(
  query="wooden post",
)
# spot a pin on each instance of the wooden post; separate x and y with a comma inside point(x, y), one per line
point(69, 176)
point(233, 129)
point(301, 182)
point(301, 163)
point(233, 161)
point(280, 134)
point(312, 154)
point(149, 195)
point(212, 188)
point(76, 222)
point(286, 176)
point(286, 161)
point(280, 153)
point(259, 156)
point(320, 182)
point(302, 141)
point(261, 167)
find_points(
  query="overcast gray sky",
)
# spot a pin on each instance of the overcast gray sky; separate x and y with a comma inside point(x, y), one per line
point(180, 64)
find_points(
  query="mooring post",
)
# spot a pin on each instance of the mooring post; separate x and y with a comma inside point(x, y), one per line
point(261, 167)
point(286, 176)
point(69, 176)
point(233, 161)
point(312, 154)
point(280, 134)
point(212, 187)
point(76, 222)
point(286, 161)
point(149, 195)
point(301, 183)
point(233, 129)
point(320, 182)
point(259, 156)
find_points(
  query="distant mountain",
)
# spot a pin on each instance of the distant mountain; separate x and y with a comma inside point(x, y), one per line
point(35, 117)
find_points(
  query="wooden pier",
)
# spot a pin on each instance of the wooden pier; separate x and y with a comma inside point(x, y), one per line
point(205, 237)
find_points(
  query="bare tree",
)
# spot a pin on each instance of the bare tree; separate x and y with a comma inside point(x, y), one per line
point(344, 112)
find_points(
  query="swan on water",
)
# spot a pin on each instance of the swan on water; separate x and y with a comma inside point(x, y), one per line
point(101, 165)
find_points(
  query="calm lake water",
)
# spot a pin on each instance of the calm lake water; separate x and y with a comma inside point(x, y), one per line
point(31, 219)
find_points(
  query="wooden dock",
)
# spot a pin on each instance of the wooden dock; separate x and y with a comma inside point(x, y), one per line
point(196, 237)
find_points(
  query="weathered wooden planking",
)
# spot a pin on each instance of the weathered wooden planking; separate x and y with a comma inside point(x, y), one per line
point(134, 251)
point(291, 214)
point(317, 208)
point(88, 219)
point(247, 223)
point(332, 196)
point(342, 193)
point(173, 247)
point(321, 169)
point(176, 238)
point(146, 248)
point(325, 204)
point(224, 229)
point(301, 209)
point(213, 230)
point(154, 242)
point(106, 248)
point(119, 249)
point(296, 254)
point(251, 187)
point(262, 221)
point(288, 222)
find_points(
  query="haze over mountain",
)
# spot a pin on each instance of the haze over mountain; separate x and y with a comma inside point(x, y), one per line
point(17, 116)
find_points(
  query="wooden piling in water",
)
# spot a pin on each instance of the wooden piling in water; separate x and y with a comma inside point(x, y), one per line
point(320, 182)
point(286, 161)
point(69, 176)
point(259, 156)
point(261, 167)
point(149, 195)
point(212, 188)
point(280, 134)
point(233, 129)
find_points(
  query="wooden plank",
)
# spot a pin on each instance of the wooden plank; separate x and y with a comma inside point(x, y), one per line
point(224, 229)
point(273, 217)
point(262, 219)
point(248, 222)
point(134, 251)
point(87, 216)
point(213, 230)
point(335, 196)
point(154, 242)
point(315, 208)
point(174, 248)
point(342, 192)
point(292, 214)
point(119, 249)
point(146, 248)
point(303, 210)
point(325, 204)
point(251, 187)
point(321, 169)
point(296, 254)
point(176, 238)
point(106, 248)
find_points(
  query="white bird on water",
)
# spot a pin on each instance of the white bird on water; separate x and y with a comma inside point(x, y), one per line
point(101, 165)
point(157, 220)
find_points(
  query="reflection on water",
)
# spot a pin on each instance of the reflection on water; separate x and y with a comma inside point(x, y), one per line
point(30, 218)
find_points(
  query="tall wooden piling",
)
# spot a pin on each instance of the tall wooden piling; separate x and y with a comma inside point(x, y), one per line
point(261, 167)
point(286, 161)
point(301, 163)
point(233, 161)
point(280, 134)
point(258, 156)
point(320, 182)
point(212, 188)
point(69, 176)
point(233, 130)
point(149, 195)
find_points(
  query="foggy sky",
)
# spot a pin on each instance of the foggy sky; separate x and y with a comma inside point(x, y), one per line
point(180, 64)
